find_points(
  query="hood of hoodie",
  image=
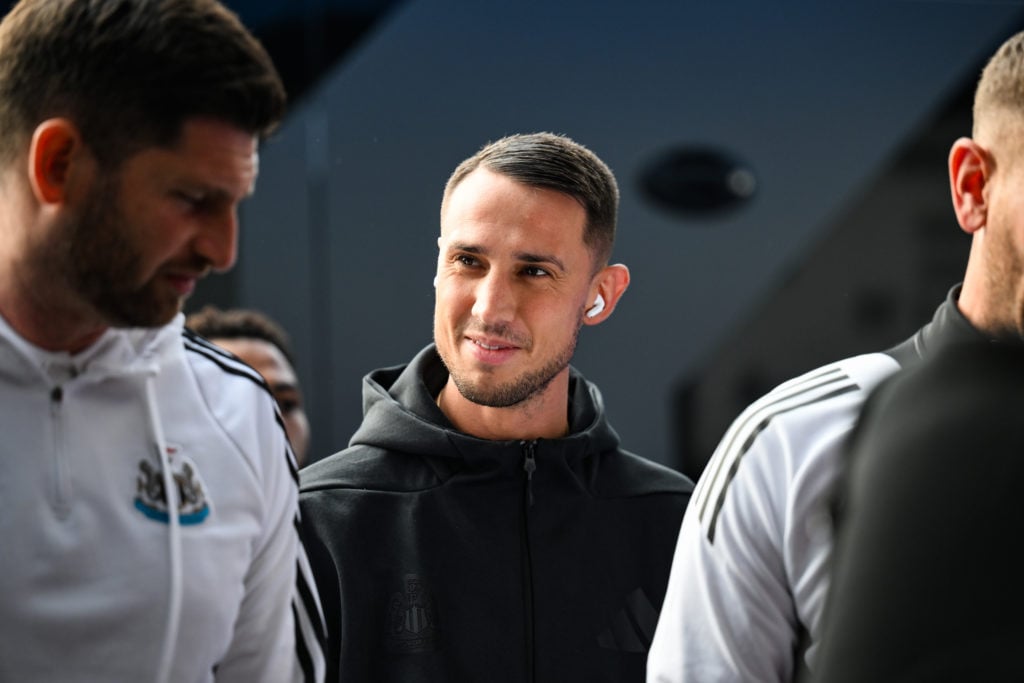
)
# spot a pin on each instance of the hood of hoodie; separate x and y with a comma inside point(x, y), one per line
point(400, 414)
point(118, 352)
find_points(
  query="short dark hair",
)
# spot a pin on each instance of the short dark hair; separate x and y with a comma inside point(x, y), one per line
point(1001, 86)
point(239, 323)
point(129, 73)
point(558, 163)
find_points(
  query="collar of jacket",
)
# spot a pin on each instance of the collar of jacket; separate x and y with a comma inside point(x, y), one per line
point(948, 327)
point(119, 352)
point(400, 414)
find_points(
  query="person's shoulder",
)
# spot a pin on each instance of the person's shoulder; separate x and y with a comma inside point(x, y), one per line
point(836, 388)
point(233, 395)
point(984, 377)
point(804, 418)
point(856, 373)
point(979, 365)
point(219, 371)
point(625, 474)
point(364, 468)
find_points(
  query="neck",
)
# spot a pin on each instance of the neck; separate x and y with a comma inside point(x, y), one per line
point(990, 299)
point(49, 326)
point(543, 416)
point(33, 298)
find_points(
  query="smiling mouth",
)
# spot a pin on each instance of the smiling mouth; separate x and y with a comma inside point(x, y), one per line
point(490, 347)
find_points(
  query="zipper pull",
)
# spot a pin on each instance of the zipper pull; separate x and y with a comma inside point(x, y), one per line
point(530, 465)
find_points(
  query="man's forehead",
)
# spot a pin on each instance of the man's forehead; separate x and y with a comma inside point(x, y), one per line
point(219, 155)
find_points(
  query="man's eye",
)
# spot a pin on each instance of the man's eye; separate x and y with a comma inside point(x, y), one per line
point(466, 260)
point(287, 405)
point(191, 199)
point(535, 271)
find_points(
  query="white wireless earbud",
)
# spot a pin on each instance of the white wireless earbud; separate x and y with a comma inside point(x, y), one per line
point(596, 309)
point(435, 282)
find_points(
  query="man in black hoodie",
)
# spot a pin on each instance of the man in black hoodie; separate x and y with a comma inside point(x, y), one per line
point(484, 523)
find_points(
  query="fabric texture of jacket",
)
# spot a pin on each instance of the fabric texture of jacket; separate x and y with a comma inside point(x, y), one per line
point(750, 573)
point(99, 581)
point(445, 557)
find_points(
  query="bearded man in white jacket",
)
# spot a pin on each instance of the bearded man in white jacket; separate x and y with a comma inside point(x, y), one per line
point(149, 491)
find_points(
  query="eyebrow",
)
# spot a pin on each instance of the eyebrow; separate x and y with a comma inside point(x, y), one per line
point(520, 255)
point(213, 191)
point(224, 194)
point(284, 386)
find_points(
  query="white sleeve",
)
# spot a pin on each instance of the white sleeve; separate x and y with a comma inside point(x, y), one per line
point(278, 634)
point(749, 575)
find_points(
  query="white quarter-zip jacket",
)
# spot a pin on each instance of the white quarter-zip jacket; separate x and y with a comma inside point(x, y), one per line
point(751, 568)
point(100, 578)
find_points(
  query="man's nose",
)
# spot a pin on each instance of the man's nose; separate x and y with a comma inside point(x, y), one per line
point(495, 299)
point(218, 240)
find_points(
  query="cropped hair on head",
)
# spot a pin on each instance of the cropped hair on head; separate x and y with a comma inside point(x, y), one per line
point(239, 323)
point(554, 162)
point(129, 73)
point(1000, 89)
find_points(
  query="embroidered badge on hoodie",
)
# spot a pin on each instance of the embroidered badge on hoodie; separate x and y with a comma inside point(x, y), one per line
point(412, 619)
point(151, 498)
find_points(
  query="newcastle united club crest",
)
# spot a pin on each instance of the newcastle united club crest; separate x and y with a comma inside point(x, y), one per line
point(412, 619)
point(151, 499)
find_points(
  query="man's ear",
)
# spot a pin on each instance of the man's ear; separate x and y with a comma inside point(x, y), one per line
point(611, 282)
point(55, 146)
point(970, 167)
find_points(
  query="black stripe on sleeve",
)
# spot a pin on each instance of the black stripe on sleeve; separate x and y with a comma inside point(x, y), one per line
point(310, 627)
point(312, 608)
point(725, 453)
point(737, 458)
point(232, 365)
point(289, 456)
point(224, 360)
point(302, 650)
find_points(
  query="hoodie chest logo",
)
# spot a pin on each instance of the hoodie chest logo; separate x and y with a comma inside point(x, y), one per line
point(151, 497)
point(412, 619)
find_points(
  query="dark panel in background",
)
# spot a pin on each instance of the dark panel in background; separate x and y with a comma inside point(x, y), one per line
point(875, 276)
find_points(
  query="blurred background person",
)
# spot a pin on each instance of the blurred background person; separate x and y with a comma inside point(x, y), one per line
point(260, 342)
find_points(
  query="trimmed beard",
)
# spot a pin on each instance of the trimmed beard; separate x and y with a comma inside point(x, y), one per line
point(101, 263)
point(520, 389)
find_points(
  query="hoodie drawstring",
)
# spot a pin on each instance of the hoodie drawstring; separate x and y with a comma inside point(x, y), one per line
point(174, 599)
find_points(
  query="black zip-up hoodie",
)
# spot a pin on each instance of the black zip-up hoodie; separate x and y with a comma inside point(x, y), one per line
point(444, 557)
